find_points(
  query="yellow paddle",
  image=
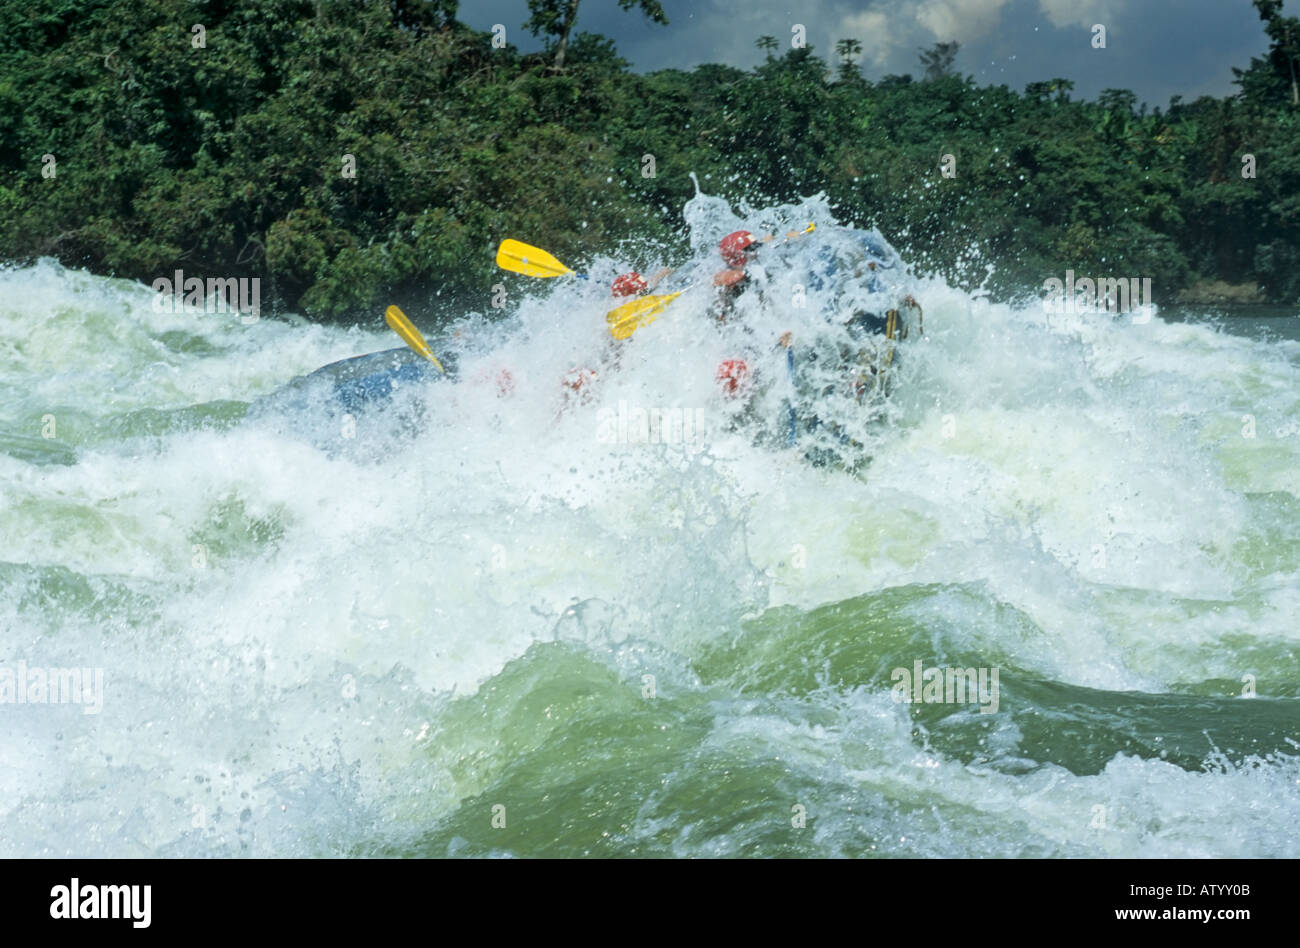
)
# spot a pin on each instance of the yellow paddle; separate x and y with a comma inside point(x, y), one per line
point(399, 324)
point(531, 261)
point(630, 317)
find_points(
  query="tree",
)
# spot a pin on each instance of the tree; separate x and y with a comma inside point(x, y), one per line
point(422, 16)
point(1118, 100)
point(1284, 31)
point(847, 50)
point(937, 60)
point(592, 49)
point(1058, 89)
point(155, 159)
point(557, 17)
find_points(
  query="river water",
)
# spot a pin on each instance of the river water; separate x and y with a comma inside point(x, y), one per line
point(494, 618)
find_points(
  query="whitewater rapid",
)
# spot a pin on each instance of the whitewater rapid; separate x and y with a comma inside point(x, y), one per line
point(317, 642)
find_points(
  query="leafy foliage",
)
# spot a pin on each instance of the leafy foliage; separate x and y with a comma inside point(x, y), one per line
point(230, 159)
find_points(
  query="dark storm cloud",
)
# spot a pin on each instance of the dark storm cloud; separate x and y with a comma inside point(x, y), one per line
point(1157, 48)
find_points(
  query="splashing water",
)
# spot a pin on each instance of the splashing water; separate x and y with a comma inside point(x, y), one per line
point(498, 616)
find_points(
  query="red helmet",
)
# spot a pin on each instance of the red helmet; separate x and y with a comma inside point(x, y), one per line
point(629, 284)
point(732, 376)
point(734, 245)
point(575, 379)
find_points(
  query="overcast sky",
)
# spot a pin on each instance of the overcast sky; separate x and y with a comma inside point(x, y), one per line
point(1157, 48)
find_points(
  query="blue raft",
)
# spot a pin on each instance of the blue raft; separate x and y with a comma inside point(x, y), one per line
point(362, 381)
point(354, 386)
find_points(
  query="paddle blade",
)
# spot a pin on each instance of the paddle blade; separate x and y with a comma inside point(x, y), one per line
point(530, 261)
point(400, 324)
point(630, 317)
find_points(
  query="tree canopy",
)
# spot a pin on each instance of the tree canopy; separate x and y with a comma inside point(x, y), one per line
point(232, 156)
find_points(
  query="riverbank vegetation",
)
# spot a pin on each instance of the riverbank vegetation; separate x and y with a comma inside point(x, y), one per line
point(133, 144)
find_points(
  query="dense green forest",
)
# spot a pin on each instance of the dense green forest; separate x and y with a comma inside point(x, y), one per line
point(132, 144)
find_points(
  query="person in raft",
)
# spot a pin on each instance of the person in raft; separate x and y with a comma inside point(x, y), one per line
point(739, 249)
point(626, 287)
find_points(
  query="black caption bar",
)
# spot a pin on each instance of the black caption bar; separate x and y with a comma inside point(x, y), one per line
point(332, 897)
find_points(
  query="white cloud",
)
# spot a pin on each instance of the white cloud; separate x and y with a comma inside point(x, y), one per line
point(1085, 13)
point(961, 20)
point(892, 30)
point(872, 29)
